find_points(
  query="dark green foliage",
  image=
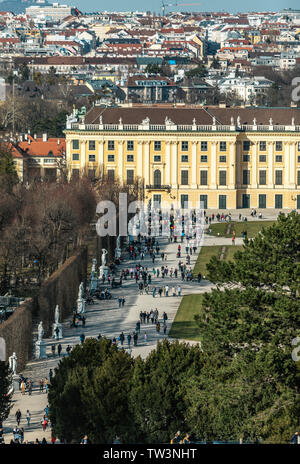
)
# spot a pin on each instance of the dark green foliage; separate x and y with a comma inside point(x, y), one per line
point(5, 398)
point(89, 394)
point(200, 71)
point(157, 390)
point(8, 174)
point(255, 391)
point(271, 259)
point(52, 126)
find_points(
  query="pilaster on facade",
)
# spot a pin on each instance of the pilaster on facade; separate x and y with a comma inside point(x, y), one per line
point(194, 165)
point(147, 162)
point(271, 165)
point(100, 167)
point(174, 165)
point(120, 161)
point(83, 162)
point(213, 168)
point(168, 163)
point(293, 165)
point(232, 164)
point(287, 165)
point(139, 164)
point(238, 164)
point(254, 165)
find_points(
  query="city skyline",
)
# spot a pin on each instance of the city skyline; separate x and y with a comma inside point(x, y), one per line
point(134, 5)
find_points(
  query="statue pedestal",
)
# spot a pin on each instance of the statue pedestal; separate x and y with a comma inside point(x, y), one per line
point(59, 326)
point(81, 306)
point(103, 271)
point(15, 382)
point(40, 349)
point(118, 253)
point(94, 283)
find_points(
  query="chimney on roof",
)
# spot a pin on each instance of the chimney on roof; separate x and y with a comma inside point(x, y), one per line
point(29, 141)
point(58, 141)
point(293, 104)
point(45, 137)
point(222, 105)
point(34, 136)
point(25, 137)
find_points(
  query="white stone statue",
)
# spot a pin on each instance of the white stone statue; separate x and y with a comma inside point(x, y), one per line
point(168, 121)
point(271, 122)
point(238, 121)
point(100, 119)
point(12, 362)
point(118, 248)
point(56, 314)
point(94, 266)
point(80, 291)
point(232, 121)
point(120, 121)
point(40, 331)
point(214, 121)
point(254, 122)
point(146, 120)
point(293, 121)
point(103, 257)
point(57, 325)
point(194, 121)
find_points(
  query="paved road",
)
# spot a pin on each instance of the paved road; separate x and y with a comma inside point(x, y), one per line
point(106, 318)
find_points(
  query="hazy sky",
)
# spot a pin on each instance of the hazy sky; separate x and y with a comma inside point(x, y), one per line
point(155, 5)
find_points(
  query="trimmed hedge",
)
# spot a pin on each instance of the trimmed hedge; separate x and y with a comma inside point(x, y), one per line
point(61, 288)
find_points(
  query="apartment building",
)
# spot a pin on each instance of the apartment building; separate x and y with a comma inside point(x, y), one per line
point(226, 158)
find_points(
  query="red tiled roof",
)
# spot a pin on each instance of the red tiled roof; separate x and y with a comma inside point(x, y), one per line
point(37, 147)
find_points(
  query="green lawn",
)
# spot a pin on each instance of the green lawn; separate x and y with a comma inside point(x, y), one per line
point(184, 325)
point(252, 228)
point(207, 252)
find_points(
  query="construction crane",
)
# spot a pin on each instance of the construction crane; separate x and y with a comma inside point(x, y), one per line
point(164, 5)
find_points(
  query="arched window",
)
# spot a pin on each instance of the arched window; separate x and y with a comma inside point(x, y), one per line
point(157, 177)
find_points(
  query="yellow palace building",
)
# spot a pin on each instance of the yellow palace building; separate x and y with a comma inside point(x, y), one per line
point(227, 158)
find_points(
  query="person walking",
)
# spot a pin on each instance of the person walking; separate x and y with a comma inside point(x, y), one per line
point(295, 438)
point(122, 337)
point(145, 337)
point(178, 290)
point(51, 374)
point(165, 328)
point(41, 382)
point(29, 387)
point(167, 290)
point(46, 383)
point(53, 349)
point(18, 416)
point(59, 348)
point(176, 439)
point(23, 388)
point(56, 333)
point(44, 423)
point(128, 339)
point(135, 339)
point(153, 292)
point(83, 319)
point(82, 338)
point(28, 417)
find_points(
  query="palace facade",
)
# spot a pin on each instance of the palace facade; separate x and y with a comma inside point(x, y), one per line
point(227, 158)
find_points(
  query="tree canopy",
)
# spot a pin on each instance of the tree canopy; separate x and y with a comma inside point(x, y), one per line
point(249, 321)
point(5, 398)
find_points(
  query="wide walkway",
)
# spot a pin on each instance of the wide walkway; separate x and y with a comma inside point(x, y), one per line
point(107, 319)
